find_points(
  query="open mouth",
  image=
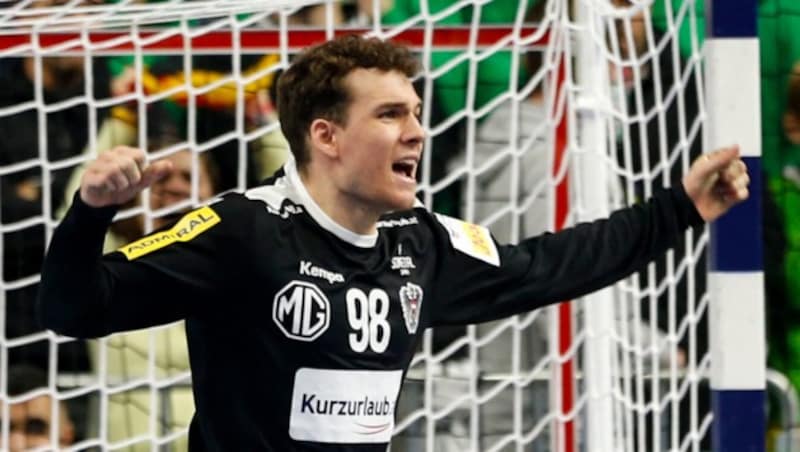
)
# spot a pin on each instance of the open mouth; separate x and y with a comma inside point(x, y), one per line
point(405, 168)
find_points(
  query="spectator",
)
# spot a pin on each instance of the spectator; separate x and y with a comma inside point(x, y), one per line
point(493, 193)
point(783, 310)
point(362, 12)
point(23, 192)
point(317, 15)
point(31, 421)
point(650, 155)
point(646, 153)
point(170, 191)
point(791, 174)
point(127, 354)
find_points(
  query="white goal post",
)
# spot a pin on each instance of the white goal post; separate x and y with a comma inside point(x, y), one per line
point(539, 115)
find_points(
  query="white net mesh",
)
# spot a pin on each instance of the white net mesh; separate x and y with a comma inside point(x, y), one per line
point(538, 116)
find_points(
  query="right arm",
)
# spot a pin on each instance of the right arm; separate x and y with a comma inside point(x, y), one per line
point(86, 294)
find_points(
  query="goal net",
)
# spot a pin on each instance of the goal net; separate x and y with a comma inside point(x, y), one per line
point(539, 115)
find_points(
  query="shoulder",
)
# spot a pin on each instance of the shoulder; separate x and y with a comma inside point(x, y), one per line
point(231, 206)
point(469, 238)
point(276, 196)
point(444, 232)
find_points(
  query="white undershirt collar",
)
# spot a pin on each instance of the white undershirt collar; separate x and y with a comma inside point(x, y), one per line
point(319, 215)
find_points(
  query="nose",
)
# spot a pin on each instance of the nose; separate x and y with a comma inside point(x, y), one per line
point(16, 441)
point(622, 38)
point(171, 190)
point(414, 132)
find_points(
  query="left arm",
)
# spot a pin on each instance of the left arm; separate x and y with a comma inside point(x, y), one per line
point(579, 260)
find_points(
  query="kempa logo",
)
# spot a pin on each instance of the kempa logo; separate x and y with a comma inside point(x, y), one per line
point(301, 311)
point(309, 269)
point(364, 407)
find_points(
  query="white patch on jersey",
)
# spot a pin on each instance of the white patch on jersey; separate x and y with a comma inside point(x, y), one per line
point(301, 311)
point(411, 302)
point(344, 406)
point(272, 195)
point(309, 269)
point(471, 239)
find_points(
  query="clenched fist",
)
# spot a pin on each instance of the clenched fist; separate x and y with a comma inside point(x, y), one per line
point(716, 182)
point(118, 175)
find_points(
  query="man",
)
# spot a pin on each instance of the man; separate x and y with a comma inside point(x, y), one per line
point(31, 420)
point(304, 298)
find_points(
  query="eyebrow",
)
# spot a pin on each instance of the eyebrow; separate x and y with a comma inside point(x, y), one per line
point(417, 106)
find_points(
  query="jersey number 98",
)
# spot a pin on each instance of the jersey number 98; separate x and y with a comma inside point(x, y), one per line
point(367, 315)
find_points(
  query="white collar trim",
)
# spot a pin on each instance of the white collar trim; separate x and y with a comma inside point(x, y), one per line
point(316, 212)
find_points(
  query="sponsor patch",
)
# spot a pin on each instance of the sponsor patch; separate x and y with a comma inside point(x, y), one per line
point(344, 406)
point(471, 239)
point(301, 311)
point(403, 264)
point(411, 301)
point(187, 228)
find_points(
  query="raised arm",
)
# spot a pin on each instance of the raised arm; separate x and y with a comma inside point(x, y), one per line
point(555, 267)
point(86, 294)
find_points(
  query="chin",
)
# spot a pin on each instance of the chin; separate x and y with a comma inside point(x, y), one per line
point(402, 203)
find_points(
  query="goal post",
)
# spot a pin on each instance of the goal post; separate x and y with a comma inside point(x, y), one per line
point(738, 337)
point(539, 114)
point(592, 193)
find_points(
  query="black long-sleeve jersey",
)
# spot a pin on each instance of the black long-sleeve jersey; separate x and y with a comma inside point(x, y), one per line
point(299, 330)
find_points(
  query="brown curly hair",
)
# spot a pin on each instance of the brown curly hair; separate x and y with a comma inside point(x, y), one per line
point(313, 86)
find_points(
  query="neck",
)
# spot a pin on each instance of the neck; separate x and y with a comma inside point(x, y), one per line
point(343, 208)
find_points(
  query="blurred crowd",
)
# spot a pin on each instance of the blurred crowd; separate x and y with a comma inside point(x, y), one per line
point(218, 142)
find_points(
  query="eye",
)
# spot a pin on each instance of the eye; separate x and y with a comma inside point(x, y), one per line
point(36, 426)
point(392, 113)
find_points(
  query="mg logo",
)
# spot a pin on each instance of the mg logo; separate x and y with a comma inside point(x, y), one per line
point(301, 311)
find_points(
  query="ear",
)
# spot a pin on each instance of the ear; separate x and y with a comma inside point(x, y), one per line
point(322, 136)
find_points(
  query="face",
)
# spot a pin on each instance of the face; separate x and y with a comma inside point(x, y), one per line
point(67, 71)
point(791, 117)
point(177, 186)
point(30, 425)
point(632, 41)
point(380, 146)
point(791, 127)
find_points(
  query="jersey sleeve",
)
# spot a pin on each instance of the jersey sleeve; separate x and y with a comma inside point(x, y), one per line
point(481, 281)
point(166, 276)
